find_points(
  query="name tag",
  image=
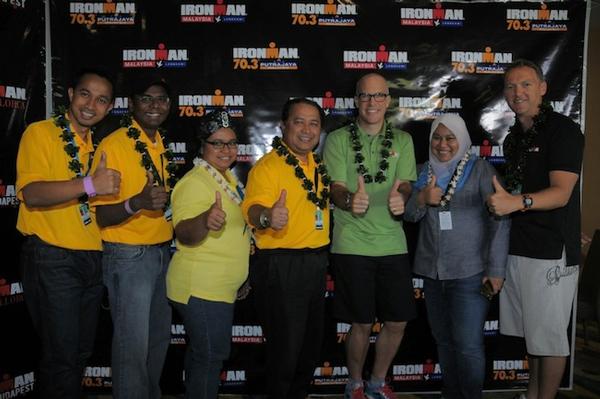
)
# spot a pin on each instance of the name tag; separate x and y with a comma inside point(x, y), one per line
point(168, 214)
point(84, 212)
point(445, 220)
point(319, 219)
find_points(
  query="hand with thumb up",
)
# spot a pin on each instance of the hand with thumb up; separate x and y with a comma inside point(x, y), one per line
point(151, 197)
point(396, 200)
point(106, 180)
point(502, 202)
point(431, 194)
point(278, 213)
point(360, 199)
point(216, 216)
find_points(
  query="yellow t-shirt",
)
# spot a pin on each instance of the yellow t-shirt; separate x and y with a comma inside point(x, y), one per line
point(145, 227)
point(266, 179)
point(216, 267)
point(42, 157)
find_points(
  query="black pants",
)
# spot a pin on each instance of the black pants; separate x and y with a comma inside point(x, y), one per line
point(63, 291)
point(290, 297)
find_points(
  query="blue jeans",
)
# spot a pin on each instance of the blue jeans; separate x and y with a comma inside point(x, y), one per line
point(456, 311)
point(63, 291)
point(208, 326)
point(141, 315)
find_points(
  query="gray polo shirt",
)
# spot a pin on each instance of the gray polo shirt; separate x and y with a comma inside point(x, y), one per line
point(477, 242)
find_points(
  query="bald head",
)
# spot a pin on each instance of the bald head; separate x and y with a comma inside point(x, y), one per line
point(372, 100)
point(371, 79)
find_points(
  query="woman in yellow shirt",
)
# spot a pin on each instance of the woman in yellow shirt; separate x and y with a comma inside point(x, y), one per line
point(211, 261)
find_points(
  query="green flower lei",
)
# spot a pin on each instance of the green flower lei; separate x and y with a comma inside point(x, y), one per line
point(516, 145)
point(290, 159)
point(359, 158)
point(134, 133)
point(60, 120)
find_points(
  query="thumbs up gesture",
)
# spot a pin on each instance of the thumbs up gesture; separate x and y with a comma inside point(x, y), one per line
point(432, 194)
point(279, 213)
point(215, 217)
point(396, 200)
point(106, 180)
point(151, 197)
point(502, 202)
point(360, 199)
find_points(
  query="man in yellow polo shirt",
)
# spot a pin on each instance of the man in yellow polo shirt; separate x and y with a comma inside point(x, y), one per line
point(61, 257)
point(136, 230)
point(287, 202)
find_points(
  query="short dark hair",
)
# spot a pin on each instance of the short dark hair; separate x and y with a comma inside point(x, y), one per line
point(143, 81)
point(526, 63)
point(285, 113)
point(104, 74)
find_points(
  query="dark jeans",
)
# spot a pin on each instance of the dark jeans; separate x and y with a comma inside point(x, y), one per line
point(63, 291)
point(289, 287)
point(456, 311)
point(208, 326)
point(135, 278)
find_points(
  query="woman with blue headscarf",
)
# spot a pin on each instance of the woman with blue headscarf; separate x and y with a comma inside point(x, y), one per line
point(461, 252)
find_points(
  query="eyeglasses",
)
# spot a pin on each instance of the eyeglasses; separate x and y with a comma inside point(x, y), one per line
point(147, 100)
point(379, 97)
point(219, 145)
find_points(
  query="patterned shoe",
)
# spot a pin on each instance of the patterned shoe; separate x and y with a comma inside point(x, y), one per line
point(356, 393)
point(381, 392)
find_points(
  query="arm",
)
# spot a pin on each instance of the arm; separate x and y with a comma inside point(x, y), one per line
point(49, 193)
point(277, 215)
point(357, 202)
point(254, 213)
point(498, 232)
point(415, 209)
point(339, 193)
point(193, 231)
point(151, 198)
point(555, 196)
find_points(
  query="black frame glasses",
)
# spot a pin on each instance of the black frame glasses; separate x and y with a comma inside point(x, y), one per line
point(378, 97)
point(219, 145)
point(147, 100)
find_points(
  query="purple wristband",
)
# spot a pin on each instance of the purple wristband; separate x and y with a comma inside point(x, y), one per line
point(88, 186)
point(128, 208)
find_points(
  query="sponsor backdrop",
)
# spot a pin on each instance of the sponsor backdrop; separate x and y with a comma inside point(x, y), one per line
point(250, 56)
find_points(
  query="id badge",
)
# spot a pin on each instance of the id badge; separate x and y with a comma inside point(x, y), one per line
point(319, 219)
point(445, 220)
point(168, 214)
point(84, 212)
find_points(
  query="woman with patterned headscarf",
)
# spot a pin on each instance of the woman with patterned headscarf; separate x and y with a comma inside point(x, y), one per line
point(211, 261)
point(461, 252)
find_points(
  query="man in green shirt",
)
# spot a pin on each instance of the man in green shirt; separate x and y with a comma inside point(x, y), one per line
point(371, 165)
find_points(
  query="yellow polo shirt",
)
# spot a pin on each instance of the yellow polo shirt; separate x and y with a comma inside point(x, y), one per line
point(145, 227)
point(266, 179)
point(215, 268)
point(42, 157)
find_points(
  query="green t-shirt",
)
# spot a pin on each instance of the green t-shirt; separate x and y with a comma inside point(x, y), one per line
point(377, 232)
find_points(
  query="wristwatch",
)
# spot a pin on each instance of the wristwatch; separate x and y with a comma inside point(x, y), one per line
point(527, 202)
point(263, 220)
point(348, 201)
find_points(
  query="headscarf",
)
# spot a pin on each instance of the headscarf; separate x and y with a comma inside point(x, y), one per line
point(443, 171)
point(204, 128)
point(213, 121)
